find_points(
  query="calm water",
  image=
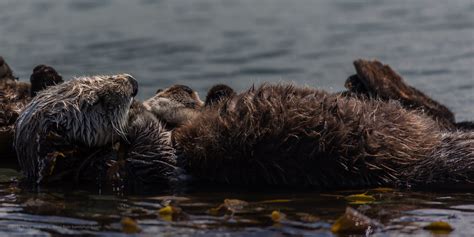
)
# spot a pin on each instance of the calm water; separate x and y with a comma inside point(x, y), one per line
point(200, 43)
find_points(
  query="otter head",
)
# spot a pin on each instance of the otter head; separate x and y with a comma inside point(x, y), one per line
point(218, 93)
point(175, 105)
point(87, 111)
point(43, 76)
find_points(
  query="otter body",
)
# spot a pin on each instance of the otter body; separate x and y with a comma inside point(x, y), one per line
point(86, 112)
point(284, 135)
point(272, 135)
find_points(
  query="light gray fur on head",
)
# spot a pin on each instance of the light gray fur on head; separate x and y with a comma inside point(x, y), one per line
point(88, 111)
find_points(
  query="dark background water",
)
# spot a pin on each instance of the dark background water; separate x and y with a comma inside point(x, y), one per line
point(200, 43)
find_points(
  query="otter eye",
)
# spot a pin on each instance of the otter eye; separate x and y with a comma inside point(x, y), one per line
point(158, 91)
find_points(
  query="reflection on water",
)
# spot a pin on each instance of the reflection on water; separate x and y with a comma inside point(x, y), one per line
point(200, 43)
point(57, 211)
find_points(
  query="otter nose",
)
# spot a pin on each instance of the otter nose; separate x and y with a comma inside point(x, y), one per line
point(2, 61)
point(134, 84)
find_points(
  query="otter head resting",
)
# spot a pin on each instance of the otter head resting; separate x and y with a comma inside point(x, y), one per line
point(175, 105)
point(218, 93)
point(87, 112)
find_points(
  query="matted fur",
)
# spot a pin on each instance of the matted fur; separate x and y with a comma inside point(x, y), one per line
point(284, 135)
point(450, 164)
point(86, 111)
point(150, 158)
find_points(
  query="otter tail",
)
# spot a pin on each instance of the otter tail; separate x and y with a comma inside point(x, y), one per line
point(449, 166)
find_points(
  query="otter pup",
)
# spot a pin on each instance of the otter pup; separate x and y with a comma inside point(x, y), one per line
point(87, 112)
point(218, 93)
point(175, 105)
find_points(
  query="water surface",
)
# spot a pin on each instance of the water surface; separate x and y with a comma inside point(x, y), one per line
point(201, 43)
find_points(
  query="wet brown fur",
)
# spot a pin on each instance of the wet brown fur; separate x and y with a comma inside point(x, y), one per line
point(149, 157)
point(285, 135)
point(218, 93)
point(175, 105)
point(15, 95)
point(378, 81)
point(84, 113)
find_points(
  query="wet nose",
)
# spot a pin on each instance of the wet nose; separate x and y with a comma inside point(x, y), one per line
point(2, 61)
point(134, 84)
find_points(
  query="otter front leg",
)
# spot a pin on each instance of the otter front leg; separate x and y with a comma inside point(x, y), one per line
point(375, 80)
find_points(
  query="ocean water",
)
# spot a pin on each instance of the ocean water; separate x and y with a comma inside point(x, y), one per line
point(240, 43)
point(201, 43)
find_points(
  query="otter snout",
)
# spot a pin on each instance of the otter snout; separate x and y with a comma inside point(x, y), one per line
point(131, 80)
point(134, 84)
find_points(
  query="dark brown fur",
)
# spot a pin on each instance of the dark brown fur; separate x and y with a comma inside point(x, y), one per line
point(378, 81)
point(149, 157)
point(6, 72)
point(144, 159)
point(284, 135)
point(218, 93)
point(15, 95)
point(43, 76)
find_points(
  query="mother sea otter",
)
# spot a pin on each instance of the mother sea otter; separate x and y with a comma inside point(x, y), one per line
point(278, 135)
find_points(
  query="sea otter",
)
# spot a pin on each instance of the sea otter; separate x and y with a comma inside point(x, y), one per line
point(86, 112)
point(280, 134)
point(271, 135)
point(91, 128)
point(175, 105)
point(283, 135)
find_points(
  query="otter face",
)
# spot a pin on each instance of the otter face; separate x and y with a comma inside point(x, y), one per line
point(43, 76)
point(87, 111)
point(175, 105)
